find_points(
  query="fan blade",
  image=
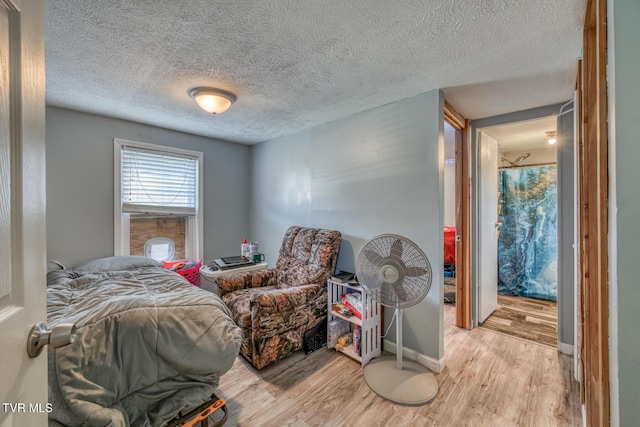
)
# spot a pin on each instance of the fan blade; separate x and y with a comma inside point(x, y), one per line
point(415, 271)
point(385, 294)
point(396, 250)
point(372, 257)
point(401, 292)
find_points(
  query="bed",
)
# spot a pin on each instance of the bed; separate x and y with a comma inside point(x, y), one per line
point(148, 345)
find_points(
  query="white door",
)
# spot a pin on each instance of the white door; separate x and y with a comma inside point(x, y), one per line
point(488, 235)
point(23, 380)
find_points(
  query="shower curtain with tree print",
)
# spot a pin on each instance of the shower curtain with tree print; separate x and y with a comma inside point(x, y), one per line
point(527, 244)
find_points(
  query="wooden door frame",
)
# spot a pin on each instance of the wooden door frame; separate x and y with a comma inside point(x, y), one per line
point(593, 185)
point(463, 216)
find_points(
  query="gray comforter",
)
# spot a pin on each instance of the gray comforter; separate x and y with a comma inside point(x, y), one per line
point(148, 344)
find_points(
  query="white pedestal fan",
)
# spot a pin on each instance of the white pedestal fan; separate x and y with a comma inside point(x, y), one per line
point(396, 273)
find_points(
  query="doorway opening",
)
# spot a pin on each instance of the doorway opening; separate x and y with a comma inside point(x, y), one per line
point(458, 202)
point(449, 267)
point(518, 197)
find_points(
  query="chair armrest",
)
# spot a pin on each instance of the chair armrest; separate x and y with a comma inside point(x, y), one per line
point(253, 279)
point(287, 299)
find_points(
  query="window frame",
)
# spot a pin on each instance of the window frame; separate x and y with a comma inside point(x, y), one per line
point(194, 246)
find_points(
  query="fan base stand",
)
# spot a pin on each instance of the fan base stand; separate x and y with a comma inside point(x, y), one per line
point(412, 385)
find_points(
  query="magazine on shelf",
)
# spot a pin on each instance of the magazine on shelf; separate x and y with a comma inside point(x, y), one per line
point(353, 301)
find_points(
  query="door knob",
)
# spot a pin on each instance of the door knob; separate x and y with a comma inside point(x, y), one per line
point(59, 336)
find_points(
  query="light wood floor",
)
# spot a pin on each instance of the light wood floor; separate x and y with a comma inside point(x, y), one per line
point(526, 318)
point(490, 380)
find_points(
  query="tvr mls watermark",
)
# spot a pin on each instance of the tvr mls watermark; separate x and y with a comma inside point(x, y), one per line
point(21, 407)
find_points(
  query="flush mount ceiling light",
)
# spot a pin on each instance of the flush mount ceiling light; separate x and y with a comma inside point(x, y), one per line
point(214, 101)
point(551, 137)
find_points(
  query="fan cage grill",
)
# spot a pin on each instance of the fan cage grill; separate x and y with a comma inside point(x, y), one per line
point(391, 253)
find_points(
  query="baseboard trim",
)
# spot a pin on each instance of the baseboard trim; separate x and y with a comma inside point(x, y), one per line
point(565, 348)
point(436, 365)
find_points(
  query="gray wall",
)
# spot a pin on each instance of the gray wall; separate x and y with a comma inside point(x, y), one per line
point(376, 172)
point(566, 223)
point(625, 129)
point(80, 184)
point(566, 305)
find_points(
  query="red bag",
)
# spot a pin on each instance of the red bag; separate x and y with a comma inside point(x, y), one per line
point(450, 245)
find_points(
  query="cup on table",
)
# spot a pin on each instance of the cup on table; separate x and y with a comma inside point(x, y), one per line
point(258, 257)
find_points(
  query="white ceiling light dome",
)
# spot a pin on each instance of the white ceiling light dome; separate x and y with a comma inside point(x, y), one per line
point(211, 100)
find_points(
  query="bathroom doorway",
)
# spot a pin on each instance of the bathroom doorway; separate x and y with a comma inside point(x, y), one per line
point(518, 230)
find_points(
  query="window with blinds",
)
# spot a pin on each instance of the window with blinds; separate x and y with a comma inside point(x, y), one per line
point(157, 197)
point(159, 182)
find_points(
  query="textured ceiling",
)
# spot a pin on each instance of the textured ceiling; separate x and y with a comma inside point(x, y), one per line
point(294, 65)
point(529, 135)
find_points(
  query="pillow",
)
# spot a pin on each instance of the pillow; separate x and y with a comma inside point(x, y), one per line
point(54, 265)
point(116, 263)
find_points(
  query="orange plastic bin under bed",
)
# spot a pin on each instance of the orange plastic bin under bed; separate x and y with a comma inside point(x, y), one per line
point(204, 413)
point(190, 270)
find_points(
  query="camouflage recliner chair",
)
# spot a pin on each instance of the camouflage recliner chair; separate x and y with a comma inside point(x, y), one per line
point(275, 307)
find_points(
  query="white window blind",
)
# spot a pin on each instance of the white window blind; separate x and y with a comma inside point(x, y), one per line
point(158, 182)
